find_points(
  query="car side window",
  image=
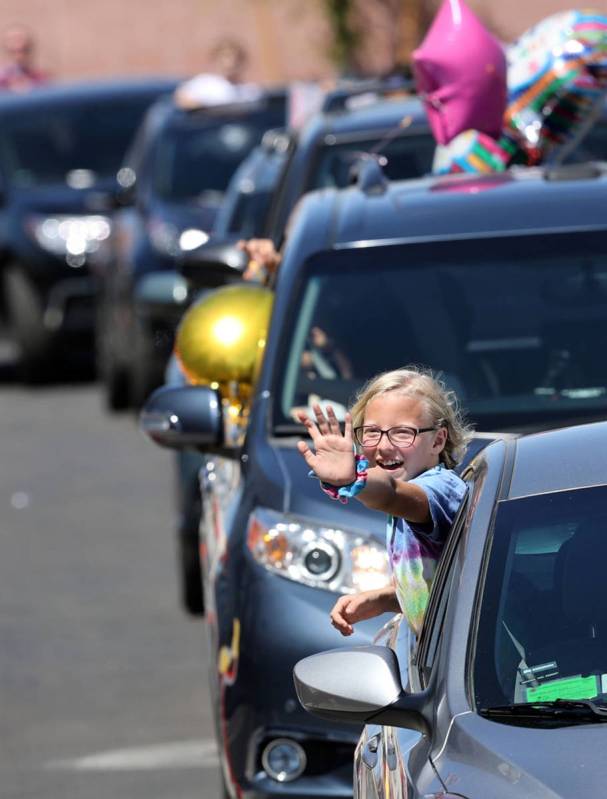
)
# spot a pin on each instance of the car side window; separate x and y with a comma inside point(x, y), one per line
point(431, 632)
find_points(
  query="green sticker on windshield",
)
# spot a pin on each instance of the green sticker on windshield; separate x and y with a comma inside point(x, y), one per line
point(566, 688)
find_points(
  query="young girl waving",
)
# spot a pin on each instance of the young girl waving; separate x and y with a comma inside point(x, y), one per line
point(409, 433)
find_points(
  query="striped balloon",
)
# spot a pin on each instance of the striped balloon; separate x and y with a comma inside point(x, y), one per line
point(471, 151)
point(557, 79)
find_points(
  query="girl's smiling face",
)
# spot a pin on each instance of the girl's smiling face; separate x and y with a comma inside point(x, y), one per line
point(392, 409)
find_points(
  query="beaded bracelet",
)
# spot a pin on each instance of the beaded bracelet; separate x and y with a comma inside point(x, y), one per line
point(343, 493)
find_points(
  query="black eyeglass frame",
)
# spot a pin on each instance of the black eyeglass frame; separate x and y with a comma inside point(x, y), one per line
point(415, 430)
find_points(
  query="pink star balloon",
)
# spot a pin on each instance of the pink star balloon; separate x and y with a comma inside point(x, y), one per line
point(460, 70)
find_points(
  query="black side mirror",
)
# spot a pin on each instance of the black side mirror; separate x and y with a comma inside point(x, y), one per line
point(214, 264)
point(125, 192)
point(184, 417)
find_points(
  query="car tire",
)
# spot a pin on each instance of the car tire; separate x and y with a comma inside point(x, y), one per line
point(188, 556)
point(113, 375)
point(116, 388)
point(147, 372)
point(190, 574)
point(224, 793)
point(25, 311)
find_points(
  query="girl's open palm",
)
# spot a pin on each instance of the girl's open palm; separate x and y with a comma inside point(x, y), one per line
point(333, 457)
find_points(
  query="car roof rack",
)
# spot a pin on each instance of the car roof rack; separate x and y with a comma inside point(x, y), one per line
point(352, 94)
point(587, 170)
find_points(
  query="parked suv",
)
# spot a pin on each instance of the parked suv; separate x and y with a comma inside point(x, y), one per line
point(60, 149)
point(500, 284)
point(174, 179)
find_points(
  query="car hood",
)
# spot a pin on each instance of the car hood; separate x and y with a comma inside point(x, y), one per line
point(61, 199)
point(484, 758)
point(185, 215)
point(303, 496)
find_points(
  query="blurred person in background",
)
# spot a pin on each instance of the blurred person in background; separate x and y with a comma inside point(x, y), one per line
point(223, 83)
point(19, 73)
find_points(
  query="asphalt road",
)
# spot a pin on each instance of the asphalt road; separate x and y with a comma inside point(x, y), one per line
point(102, 676)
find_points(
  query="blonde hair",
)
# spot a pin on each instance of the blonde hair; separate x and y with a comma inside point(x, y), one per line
point(438, 401)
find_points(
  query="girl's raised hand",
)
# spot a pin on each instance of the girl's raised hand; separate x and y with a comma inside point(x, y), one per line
point(332, 460)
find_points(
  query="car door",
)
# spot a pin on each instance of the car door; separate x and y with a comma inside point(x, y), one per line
point(393, 762)
point(368, 761)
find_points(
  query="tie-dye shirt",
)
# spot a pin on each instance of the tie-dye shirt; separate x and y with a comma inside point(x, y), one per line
point(414, 549)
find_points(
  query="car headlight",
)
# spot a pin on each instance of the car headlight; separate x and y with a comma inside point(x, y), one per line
point(192, 238)
point(168, 239)
point(72, 236)
point(333, 558)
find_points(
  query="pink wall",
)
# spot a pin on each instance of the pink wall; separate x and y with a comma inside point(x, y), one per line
point(84, 38)
point(287, 39)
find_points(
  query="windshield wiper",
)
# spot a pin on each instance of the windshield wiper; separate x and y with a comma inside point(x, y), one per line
point(569, 711)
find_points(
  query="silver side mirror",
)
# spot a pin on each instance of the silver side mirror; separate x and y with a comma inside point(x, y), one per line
point(360, 685)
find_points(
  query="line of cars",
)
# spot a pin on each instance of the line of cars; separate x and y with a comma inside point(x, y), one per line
point(143, 295)
point(264, 190)
point(102, 184)
point(500, 284)
point(522, 352)
point(324, 154)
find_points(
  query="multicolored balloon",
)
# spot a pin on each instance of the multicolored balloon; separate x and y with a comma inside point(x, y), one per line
point(460, 69)
point(557, 78)
point(471, 152)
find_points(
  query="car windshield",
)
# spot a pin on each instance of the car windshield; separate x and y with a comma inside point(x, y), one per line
point(248, 197)
point(407, 156)
point(43, 145)
point(195, 163)
point(516, 325)
point(543, 624)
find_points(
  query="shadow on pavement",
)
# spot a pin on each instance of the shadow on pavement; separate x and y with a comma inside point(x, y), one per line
point(77, 371)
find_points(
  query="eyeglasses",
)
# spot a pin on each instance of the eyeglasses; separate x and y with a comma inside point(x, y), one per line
point(397, 436)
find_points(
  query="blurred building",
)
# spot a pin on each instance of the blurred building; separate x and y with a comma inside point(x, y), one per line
point(287, 39)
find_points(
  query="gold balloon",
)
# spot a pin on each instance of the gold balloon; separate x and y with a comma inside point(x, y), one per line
point(221, 338)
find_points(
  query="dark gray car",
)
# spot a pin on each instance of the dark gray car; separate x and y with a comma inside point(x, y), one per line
point(504, 693)
point(60, 149)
